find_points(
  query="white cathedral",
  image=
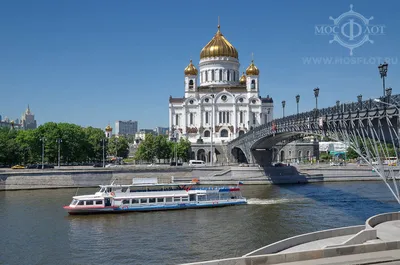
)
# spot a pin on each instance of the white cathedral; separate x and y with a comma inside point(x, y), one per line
point(219, 104)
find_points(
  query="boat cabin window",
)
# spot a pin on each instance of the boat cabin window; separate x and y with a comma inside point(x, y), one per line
point(168, 199)
point(192, 197)
point(152, 200)
point(160, 199)
point(102, 189)
point(99, 202)
point(109, 189)
point(135, 201)
point(125, 201)
point(89, 202)
point(177, 199)
point(124, 189)
point(74, 202)
point(185, 199)
point(144, 200)
point(81, 203)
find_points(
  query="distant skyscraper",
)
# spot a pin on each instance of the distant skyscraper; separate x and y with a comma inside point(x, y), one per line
point(1, 118)
point(28, 120)
point(161, 130)
point(126, 127)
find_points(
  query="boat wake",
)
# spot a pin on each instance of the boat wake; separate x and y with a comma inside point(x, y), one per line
point(267, 201)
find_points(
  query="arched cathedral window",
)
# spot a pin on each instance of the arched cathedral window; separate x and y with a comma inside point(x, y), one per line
point(212, 75)
point(227, 75)
point(234, 75)
point(253, 84)
point(191, 84)
point(220, 75)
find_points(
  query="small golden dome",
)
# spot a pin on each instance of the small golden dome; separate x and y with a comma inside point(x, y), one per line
point(219, 46)
point(252, 69)
point(190, 69)
point(108, 128)
point(242, 79)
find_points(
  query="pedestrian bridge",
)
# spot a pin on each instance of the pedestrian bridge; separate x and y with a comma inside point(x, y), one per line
point(366, 126)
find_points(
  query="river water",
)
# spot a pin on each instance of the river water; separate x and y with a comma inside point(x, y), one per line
point(36, 230)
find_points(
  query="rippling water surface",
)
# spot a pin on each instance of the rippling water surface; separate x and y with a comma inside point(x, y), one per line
point(36, 230)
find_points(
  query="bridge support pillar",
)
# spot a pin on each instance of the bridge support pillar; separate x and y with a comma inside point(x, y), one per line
point(263, 157)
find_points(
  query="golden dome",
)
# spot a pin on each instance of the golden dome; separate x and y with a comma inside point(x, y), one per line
point(242, 79)
point(252, 69)
point(190, 69)
point(108, 128)
point(219, 46)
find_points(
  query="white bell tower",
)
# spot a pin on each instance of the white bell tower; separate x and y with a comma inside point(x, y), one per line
point(190, 80)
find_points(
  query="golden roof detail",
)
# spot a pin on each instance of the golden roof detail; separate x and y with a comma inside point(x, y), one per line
point(242, 79)
point(252, 69)
point(190, 69)
point(108, 128)
point(219, 46)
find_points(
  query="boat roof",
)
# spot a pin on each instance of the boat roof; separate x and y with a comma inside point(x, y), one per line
point(149, 184)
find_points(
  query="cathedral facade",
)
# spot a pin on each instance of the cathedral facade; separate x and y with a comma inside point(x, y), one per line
point(219, 103)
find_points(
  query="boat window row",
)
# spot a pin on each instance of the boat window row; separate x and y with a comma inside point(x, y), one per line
point(87, 202)
point(155, 200)
point(142, 189)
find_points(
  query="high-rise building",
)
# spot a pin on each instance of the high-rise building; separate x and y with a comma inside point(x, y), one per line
point(28, 120)
point(161, 130)
point(1, 118)
point(126, 127)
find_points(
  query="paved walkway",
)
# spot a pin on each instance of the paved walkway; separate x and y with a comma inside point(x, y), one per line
point(390, 257)
point(318, 244)
point(389, 231)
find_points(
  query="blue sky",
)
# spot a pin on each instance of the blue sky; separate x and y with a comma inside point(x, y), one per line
point(93, 62)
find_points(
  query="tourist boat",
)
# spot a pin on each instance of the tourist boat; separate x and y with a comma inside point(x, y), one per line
point(149, 195)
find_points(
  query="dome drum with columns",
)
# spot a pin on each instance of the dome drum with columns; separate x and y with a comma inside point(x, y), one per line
point(219, 100)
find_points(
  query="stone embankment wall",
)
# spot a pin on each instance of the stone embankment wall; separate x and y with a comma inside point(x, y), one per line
point(40, 179)
point(89, 177)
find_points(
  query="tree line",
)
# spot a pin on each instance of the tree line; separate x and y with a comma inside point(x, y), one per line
point(159, 147)
point(77, 144)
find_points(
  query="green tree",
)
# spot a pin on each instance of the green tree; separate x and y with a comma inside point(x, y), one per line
point(94, 137)
point(118, 146)
point(147, 149)
point(9, 150)
point(163, 150)
point(184, 149)
point(74, 144)
point(29, 145)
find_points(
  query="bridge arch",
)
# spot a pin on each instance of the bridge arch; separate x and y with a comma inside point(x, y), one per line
point(239, 155)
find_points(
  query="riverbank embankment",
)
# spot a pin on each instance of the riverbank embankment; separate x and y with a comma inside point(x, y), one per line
point(92, 177)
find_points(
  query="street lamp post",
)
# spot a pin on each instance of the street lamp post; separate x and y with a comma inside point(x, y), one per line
point(297, 101)
point(176, 147)
point(59, 141)
point(283, 107)
point(212, 129)
point(42, 140)
point(338, 105)
point(104, 153)
point(316, 93)
point(383, 68)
